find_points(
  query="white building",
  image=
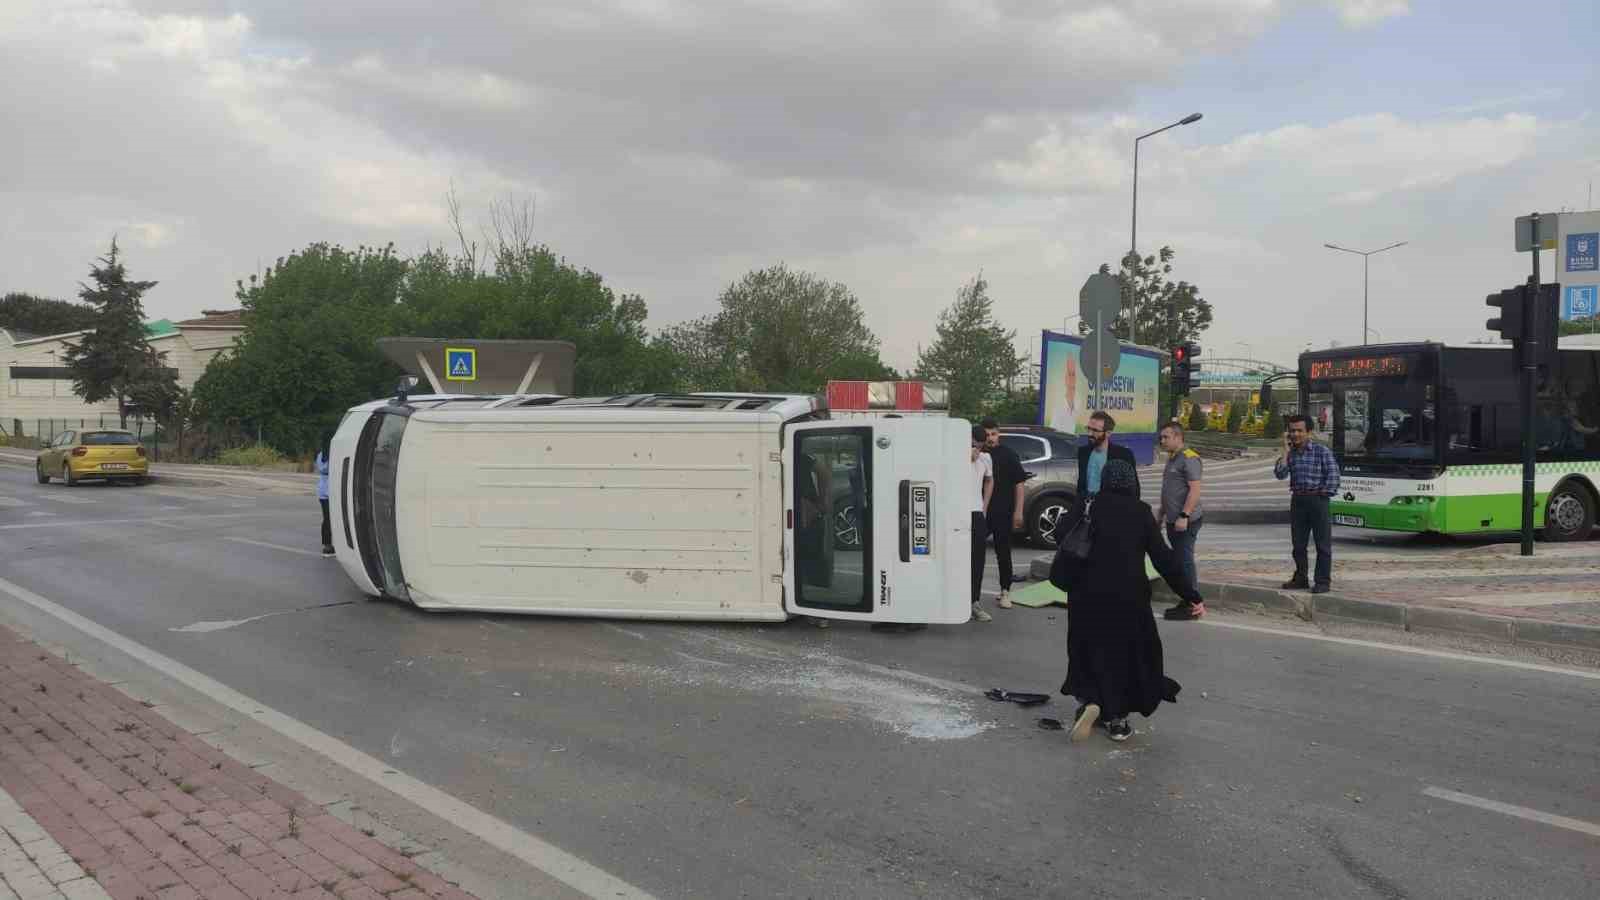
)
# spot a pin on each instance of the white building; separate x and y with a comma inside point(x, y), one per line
point(36, 390)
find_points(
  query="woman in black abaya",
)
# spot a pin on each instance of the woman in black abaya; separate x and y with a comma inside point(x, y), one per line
point(1114, 665)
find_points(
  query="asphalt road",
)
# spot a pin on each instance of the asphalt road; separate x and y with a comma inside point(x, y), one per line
point(787, 761)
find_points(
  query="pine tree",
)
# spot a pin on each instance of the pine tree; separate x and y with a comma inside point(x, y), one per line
point(113, 360)
point(1197, 418)
point(971, 353)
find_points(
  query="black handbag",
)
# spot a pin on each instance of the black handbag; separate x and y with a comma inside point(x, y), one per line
point(1073, 549)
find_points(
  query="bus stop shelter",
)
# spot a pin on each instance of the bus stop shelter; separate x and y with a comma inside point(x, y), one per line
point(491, 367)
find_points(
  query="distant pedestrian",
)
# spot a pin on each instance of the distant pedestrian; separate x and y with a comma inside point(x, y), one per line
point(1180, 511)
point(1114, 656)
point(1098, 450)
point(1313, 476)
point(1005, 504)
point(983, 489)
point(322, 494)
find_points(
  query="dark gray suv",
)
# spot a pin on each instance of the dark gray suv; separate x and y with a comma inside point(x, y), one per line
point(1051, 458)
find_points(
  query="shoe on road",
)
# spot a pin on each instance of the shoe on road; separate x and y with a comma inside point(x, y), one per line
point(979, 614)
point(1119, 730)
point(1185, 612)
point(1083, 725)
point(1296, 584)
point(1004, 601)
point(1321, 589)
point(327, 549)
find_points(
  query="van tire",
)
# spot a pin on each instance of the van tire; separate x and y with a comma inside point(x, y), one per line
point(1569, 512)
point(1044, 517)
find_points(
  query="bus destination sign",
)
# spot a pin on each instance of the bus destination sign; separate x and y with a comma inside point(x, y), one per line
point(1360, 367)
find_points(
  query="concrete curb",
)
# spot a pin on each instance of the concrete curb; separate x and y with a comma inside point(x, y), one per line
point(1412, 617)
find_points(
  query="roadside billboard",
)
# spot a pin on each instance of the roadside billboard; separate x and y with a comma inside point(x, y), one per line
point(1067, 396)
point(1578, 263)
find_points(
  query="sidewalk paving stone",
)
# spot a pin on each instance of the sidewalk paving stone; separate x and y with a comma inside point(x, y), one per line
point(103, 797)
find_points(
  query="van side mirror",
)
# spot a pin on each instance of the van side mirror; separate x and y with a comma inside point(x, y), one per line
point(408, 383)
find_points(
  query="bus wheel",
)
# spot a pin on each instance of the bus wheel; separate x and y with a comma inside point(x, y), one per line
point(1569, 513)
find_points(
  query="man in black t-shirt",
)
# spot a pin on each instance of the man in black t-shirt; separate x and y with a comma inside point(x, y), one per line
point(1005, 507)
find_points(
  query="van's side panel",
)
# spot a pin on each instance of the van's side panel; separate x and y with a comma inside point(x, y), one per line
point(671, 515)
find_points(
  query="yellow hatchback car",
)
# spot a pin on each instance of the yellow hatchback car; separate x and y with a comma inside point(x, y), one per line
point(113, 454)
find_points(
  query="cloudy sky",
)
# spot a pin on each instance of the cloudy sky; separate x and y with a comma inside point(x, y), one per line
point(896, 146)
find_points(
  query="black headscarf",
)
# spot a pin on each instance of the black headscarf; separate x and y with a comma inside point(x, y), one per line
point(1119, 478)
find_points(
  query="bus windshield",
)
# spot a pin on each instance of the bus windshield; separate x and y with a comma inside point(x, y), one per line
point(1383, 409)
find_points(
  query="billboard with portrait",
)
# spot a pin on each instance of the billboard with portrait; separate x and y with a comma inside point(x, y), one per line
point(1067, 396)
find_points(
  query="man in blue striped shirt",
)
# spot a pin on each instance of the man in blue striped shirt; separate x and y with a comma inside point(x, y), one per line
point(1313, 476)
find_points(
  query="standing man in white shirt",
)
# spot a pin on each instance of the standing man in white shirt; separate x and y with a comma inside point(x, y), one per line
point(983, 489)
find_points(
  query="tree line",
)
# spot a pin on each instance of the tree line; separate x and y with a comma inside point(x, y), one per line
point(309, 350)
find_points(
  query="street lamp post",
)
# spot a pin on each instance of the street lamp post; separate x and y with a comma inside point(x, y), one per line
point(1365, 255)
point(1133, 240)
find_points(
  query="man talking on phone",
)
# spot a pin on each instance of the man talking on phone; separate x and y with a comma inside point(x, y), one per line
point(1313, 476)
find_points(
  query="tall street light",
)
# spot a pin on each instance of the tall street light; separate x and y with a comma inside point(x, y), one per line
point(1365, 255)
point(1133, 241)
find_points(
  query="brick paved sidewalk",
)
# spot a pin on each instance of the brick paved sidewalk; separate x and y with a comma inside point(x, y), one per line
point(147, 810)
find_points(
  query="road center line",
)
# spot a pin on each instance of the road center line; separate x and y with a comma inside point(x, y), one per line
point(84, 523)
point(546, 857)
point(1401, 648)
point(302, 552)
point(1520, 812)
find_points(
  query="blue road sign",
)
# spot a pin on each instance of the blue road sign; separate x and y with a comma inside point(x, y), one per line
point(1579, 302)
point(460, 364)
point(1581, 252)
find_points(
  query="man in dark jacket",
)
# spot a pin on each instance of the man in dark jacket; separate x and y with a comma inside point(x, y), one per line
point(1005, 506)
point(1097, 451)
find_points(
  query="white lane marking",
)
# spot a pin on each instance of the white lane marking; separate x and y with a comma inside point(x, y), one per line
point(36, 512)
point(224, 624)
point(80, 523)
point(548, 858)
point(60, 498)
point(10, 502)
point(302, 552)
point(172, 525)
point(1401, 648)
point(1520, 812)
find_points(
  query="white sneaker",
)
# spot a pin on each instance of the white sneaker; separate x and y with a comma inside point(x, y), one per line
point(979, 614)
point(1004, 601)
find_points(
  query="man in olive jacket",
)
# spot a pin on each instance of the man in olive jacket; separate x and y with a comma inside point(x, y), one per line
point(1094, 453)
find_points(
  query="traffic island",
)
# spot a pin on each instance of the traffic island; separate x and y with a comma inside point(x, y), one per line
point(1568, 618)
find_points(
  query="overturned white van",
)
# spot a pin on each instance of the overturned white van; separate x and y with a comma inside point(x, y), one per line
point(655, 506)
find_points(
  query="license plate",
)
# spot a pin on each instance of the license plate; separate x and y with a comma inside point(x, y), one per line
point(1357, 521)
point(113, 466)
point(921, 519)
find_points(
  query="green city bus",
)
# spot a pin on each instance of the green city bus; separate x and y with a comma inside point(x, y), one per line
point(1429, 437)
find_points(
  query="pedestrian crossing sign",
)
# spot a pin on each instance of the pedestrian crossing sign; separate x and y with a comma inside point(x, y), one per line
point(460, 364)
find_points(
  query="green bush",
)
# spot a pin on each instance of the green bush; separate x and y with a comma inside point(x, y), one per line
point(1274, 426)
point(259, 455)
point(1197, 418)
point(1235, 416)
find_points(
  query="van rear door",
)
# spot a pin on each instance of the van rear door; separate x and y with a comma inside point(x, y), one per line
point(878, 520)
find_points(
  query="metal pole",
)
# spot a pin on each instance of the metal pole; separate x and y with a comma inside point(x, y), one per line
point(1364, 258)
point(1099, 351)
point(1133, 246)
point(1530, 353)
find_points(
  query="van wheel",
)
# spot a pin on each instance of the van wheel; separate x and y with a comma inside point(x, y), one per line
point(1569, 513)
point(39, 472)
point(1045, 518)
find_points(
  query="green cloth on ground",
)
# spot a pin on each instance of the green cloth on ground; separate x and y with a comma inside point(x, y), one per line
point(1043, 593)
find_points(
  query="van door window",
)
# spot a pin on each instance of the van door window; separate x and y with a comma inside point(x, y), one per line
point(833, 519)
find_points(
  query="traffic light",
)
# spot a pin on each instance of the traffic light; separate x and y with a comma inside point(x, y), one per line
point(1512, 321)
point(1544, 320)
point(1184, 369)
